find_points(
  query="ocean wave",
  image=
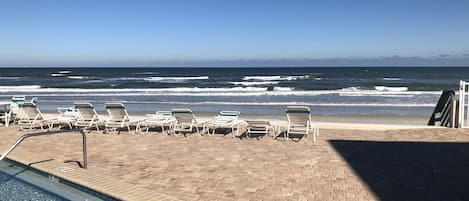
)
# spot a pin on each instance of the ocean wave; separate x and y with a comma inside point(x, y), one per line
point(37, 88)
point(77, 77)
point(277, 77)
point(9, 77)
point(19, 88)
point(283, 88)
point(254, 83)
point(175, 79)
point(376, 88)
point(385, 88)
point(152, 79)
point(208, 92)
point(392, 78)
point(381, 91)
point(65, 71)
point(147, 73)
point(285, 103)
point(121, 79)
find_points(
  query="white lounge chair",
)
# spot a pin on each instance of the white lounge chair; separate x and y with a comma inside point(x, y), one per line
point(5, 114)
point(299, 122)
point(119, 118)
point(88, 117)
point(185, 121)
point(68, 116)
point(225, 119)
point(259, 127)
point(30, 116)
point(160, 119)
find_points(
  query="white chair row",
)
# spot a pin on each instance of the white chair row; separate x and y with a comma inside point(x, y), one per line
point(84, 116)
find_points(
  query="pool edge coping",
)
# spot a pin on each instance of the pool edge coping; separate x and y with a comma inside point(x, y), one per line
point(103, 184)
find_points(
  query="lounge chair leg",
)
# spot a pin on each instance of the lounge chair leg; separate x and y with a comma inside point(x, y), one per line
point(232, 132)
point(203, 129)
point(197, 129)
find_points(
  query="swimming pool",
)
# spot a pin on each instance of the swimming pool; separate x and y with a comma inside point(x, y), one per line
point(20, 182)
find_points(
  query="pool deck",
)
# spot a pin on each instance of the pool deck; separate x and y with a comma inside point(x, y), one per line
point(91, 179)
point(348, 162)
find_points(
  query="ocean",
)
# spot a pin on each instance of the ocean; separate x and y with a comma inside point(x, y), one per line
point(265, 91)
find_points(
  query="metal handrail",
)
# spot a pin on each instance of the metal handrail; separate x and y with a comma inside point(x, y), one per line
point(85, 156)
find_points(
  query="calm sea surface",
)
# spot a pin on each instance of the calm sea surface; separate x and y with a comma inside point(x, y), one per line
point(328, 91)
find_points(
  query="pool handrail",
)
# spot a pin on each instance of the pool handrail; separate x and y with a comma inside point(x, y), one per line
point(23, 137)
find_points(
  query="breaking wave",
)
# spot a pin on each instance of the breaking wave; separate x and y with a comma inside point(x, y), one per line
point(276, 77)
point(196, 91)
point(175, 79)
point(254, 83)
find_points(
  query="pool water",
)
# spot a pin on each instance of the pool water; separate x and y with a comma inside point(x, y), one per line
point(19, 182)
point(12, 188)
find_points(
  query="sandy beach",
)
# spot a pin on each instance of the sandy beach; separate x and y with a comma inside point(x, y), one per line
point(345, 163)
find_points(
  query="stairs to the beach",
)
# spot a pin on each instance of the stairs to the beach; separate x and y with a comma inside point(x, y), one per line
point(445, 112)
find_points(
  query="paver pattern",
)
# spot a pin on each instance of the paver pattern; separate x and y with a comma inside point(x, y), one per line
point(222, 168)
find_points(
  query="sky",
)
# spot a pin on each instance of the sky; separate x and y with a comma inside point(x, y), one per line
point(234, 33)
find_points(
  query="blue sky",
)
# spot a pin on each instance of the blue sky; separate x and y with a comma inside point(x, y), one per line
point(236, 32)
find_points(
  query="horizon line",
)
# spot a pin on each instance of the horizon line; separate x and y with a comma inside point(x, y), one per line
point(338, 66)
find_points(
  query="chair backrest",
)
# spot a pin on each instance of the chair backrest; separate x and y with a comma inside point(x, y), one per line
point(4, 108)
point(183, 115)
point(117, 111)
point(86, 111)
point(227, 116)
point(234, 114)
point(298, 114)
point(162, 115)
point(258, 123)
point(29, 111)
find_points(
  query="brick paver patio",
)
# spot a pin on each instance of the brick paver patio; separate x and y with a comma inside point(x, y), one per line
point(221, 168)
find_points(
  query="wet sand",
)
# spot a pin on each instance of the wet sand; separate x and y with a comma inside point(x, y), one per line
point(366, 119)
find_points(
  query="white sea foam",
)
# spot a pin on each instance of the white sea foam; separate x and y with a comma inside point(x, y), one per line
point(9, 78)
point(20, 87)
point(155, 79)
point(175, 79)
point(285, 103)
point(276, 77)
point(283, 88)
point(364, 104)
point(391, 78)
point(57, 75)
point(385, 88)
point(37, 88)
point(76, 77)
point(209, 92)
point(147, 73)
point(254, 83)
point(123, 79)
